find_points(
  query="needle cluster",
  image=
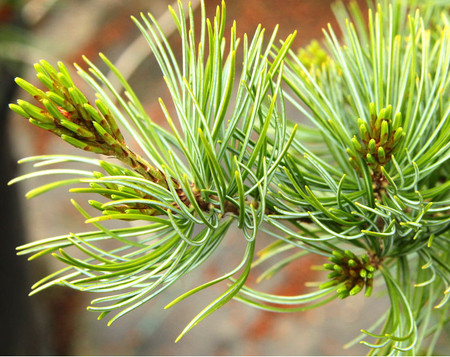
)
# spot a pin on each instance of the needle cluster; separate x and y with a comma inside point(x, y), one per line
point(365, 183)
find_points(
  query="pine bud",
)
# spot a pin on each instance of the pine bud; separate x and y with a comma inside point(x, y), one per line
point(388, 112)
point(377, 127)
point(384, 132)
point(369, 288)
point(335, 260)
point(45, 126)
point(356, 145)
point(40, 69)
point(82, 145)
point(104, 134)
point(333, 275)
point(357, 288)
point(351, 263)
point(48, 68)
point(364, 132)
point(337, 254)
point(77, 129)
point(64, 80)
point(397, 121)
point(351, 153)
point(398, 135)
point(53, 110)
point(372, 146)
point(93, 113)
point(63, 70)
point(368, 291)
point(370, 159)
point(372, 111)
point(34, 112)
point(45, 80)
point(96, 204)
point(77, 96)
point(349, 254)
point(328, 284)
point(381, 154)
point(97, 174)
point(18, 109)
point(31, 89)
point(115, 131)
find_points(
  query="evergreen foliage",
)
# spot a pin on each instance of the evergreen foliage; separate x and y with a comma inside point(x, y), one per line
point(365, 183)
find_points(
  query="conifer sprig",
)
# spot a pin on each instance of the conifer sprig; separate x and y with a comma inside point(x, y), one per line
point(66, 112)
point(365, 186)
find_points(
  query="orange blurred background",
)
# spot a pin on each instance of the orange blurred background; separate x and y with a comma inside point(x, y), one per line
point(57, 319)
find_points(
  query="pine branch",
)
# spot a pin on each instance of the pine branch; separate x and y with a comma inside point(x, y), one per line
point(366, 186)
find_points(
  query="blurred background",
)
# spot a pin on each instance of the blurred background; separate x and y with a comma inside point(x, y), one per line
point(55, 322)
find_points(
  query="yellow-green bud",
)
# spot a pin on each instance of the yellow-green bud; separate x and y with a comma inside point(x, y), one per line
point(381, 154)
point(398, 135)
point(370, 268)
point(333, 275)
point(53, 110)
point(364, 132)
point(62, 68)
point(349, 253)
point(337, 254)
point(45, 126)
point(77, 129)
point(82, 145)
point(60, 101)
point(372, 111)
point(31, 89)
point(34, 112)
point(77, 96)
point(368, 291)
point(45, 80)
point(328, 284)
point(351, 263)
point(356, 144)
point(397, 121)
point(18, 109)
point(384, 132)
point(350, 152)
point(370, 159)
point(372, 146)
point(96, 204)
point(48, 68)
point(64, 80)
point(357, 288)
